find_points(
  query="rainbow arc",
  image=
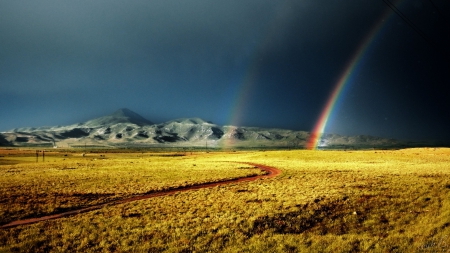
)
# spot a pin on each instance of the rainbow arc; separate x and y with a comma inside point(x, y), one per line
point(345, 79)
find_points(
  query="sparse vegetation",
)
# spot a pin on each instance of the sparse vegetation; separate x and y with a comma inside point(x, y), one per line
point(70, 181)
point(332, 201)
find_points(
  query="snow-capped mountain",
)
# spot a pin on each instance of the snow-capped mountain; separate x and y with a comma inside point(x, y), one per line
point(127, 128)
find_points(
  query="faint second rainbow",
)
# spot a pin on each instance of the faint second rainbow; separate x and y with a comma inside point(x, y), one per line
point(345, 79)
point(247, 84)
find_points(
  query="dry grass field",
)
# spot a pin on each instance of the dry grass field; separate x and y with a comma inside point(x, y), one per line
point(324, 201)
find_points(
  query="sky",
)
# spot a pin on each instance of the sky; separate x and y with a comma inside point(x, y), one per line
point(257, 63)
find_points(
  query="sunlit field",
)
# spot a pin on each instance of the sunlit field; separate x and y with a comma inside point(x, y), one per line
point(332, 201)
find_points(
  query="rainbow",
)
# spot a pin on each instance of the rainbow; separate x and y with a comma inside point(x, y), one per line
point(249, 79)
point(343, 81)
point(241, 98)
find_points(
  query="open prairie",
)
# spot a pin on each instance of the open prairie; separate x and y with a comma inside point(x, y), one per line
point(332, 201)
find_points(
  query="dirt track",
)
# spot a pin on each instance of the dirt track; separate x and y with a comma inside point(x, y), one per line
point(271, 172)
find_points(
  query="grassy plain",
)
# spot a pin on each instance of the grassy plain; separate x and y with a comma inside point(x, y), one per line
point(65, 181)
point(325, 201)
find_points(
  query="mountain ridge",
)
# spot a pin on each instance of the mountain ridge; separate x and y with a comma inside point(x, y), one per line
point(127, 128)
point(122, 115)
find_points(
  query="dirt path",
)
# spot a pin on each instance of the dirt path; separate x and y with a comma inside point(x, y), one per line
point(271, 172)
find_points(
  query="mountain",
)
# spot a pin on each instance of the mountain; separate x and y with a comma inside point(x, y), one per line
point(127, 128)
point(123, 115)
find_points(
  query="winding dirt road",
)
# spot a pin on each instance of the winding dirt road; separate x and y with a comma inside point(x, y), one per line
point(271, 172)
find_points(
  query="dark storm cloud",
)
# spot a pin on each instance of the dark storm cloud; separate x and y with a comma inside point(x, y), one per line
point(65, 43)
point(166, 59)
point(84, 37)
point(55, 45)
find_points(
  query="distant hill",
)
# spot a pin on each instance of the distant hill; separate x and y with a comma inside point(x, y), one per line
point(127, 128)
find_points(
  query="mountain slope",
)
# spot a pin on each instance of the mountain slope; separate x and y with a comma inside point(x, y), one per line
point(3, 141)
point(120, 116)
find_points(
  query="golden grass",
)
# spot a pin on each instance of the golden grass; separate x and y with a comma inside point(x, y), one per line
point(69, 181)
point(332, 201)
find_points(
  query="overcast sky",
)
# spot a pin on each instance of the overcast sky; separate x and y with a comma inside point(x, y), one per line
point(63, 62)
